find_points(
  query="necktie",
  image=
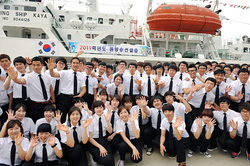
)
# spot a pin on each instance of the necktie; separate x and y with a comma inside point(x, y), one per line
point(45, 96)
point(217, 94)
point(203, 103)
point(244, 135)
point(7, 75)
point(181, 76)
point(127, 131)
point(122, 78)
point(116, 91)
point(131, 86)
point(95, 70)
point(171, 136)
point(194, 81)
point(87, 84)
point(171, 84)
point(140, 74)
point(149, 87)
point(24, 92)
point(75, 135)
point(13, 153)
point(235, 77)
point(98, 82)
point(101, 139)
point(45, 156)
point(225, 123)
point(140, 119)
point(75, 84)
point(113, 118)
point(203, 132)
point(57, 87)
point(166, 75)
point(243, 91)
point(225, 80)
point(158, 121)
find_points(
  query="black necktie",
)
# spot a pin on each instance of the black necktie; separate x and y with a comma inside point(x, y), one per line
point(45, 96)
point(194, 81)
point(243, 91)
point(95, 70)
point(140, 119)
point(140, 74)
point(171, 84)
point(217, 92)
point(7, 75)
point(101, 139)
point(116, 91)
point(171, 136)
point(45, 156)
point(113, 118)
point(203, 102)
point(87, 84)
point(131, 86)
point(235, 77)
point(181, 76)
point(203, 132)
point(149, 87)
point(75, 135)
point(225, 80)
point(158, 121)
point(75, 84)
point(24, 92)
point(127, 131)
point(225, 123)
point(98, 82)
point(166, 75)
point(13, 153)
point(57, 87)
point(244, 135)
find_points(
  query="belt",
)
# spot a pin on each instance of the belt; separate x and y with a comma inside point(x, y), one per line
point(46, 102)
point(71, 95)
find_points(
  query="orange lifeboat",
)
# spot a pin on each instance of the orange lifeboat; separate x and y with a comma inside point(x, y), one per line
point(184, 18)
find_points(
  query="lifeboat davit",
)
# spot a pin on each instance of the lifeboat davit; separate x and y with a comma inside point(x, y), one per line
point(184, 18)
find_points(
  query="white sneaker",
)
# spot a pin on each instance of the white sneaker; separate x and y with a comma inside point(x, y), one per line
point(190, 153)
point(206, 154)
point(91, 160)
point(225, 150)
point(149, 151)
point(121, 163)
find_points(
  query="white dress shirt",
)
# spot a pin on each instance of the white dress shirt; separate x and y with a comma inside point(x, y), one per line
point(195, 127)
point(38, 150)
point(153, 112)
point(121, 127)
point(53, 79)
point(165, 126)
point(198, 96)
point(219, 116)
point(4, 99)
point(34, 85)
point(94, 126)
point(179, 109)
point(85, 115)
point(177, 85)
point(184, 75)
point(143, 74)
point(5, 150)
point(17, 88)
point(53, 124)
point(111, 89)
point(144, 85)
point(104, 82)
point(187, 84)
point(92, 83)
point(222, 88)
point(126, 82)
point(136, 108)
point(237, 86)
point(67, 81)
point(204, 76)
point(28, 127)
point(240, 126)
point(228, 80)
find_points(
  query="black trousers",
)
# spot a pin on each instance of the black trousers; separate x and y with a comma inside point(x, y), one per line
point(64, 103)
point(4, 116)
point(51, 163)
point(89, 99)
point(234, 106)
point(95, 152)
point(37, 111)
point(25, 102)
point(203, 142)
point(123, 148)
point(113, 144)
point(75, 156)
point(150, 134)
point(235, 144)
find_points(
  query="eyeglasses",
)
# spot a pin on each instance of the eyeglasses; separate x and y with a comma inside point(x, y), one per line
point(243, 75)
point(191, 71)
point(245, 112)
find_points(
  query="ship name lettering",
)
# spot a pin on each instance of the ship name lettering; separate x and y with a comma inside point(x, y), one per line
point(22, 14)
point(37, 15)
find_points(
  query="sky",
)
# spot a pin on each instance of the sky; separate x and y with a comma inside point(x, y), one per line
point(230, 29)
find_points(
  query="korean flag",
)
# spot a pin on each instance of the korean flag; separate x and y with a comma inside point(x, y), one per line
point(47, 48)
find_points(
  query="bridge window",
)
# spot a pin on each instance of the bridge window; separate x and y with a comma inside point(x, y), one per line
point(61, 18)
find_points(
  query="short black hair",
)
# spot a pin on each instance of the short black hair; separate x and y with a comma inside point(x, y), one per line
point(173, 67)
point(36, 58)
point(156, 97)
point(77, 100)
point(90, 64)
point(236, 66)
point(2, 56)
point(219, 71)
point(109, 66)
point(165, 64)
point(102, 63)
point(154, 67)
point(224, 99)
point(98, 103)
point(183, 62)
point(61, 59)
point(20, 59)
point(19, 105)
point(202, 64)
point(81, 61)
point(244, 64)
point(49, 107)
point(245, 106)
point(228, 66)
point(172, 63)
point(167, 107)
point(207, 112)
point(74, 58)
point(214, 62)
point(211, 79)
point(243, 70)
point(44, 127)
point(118, 75)
point(123, 61)
point(192, 66)
point(147, 64)
point(94, 59)
point(197, 63)
point(138, 97)
point(132, 64)
point(169, 93)
point(127, 99)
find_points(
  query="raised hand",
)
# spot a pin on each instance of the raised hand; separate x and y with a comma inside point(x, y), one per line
point(161, 84)
point(120, 88)
point(193, 88)
point(50, 64)
point(198, 121)
point(99, 78)
point(87, 122)
point(178, 123)
point(233, 124)
point(208, 105)
point(134, 116)
point(162, 149)
point(138, 81)
point(178, 97)
point(62, 127)
point(108, 106)
point(108, 115)
point(12, 73)
point(156, 79)
point(211, 123)
point(240, 95)
point(58, 116)
point(79, 53)
point(10, 114)
point(85, 106)
point(19, 139)
point(51, 140)
point(143, 101)
point(228, 89)
point(28, 60)
point(34, 141)
point(135, 154)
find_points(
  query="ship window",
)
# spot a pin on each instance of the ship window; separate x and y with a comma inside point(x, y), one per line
point(100, 20)
point(6, 33)
point(111, 21)
point(16, 8)
point(69, 36)
point(29, 8)
point(245, 49)
point(7, 7)
point(89, 18)
point(43, 35)
point(61, 18)
point(120, 20)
